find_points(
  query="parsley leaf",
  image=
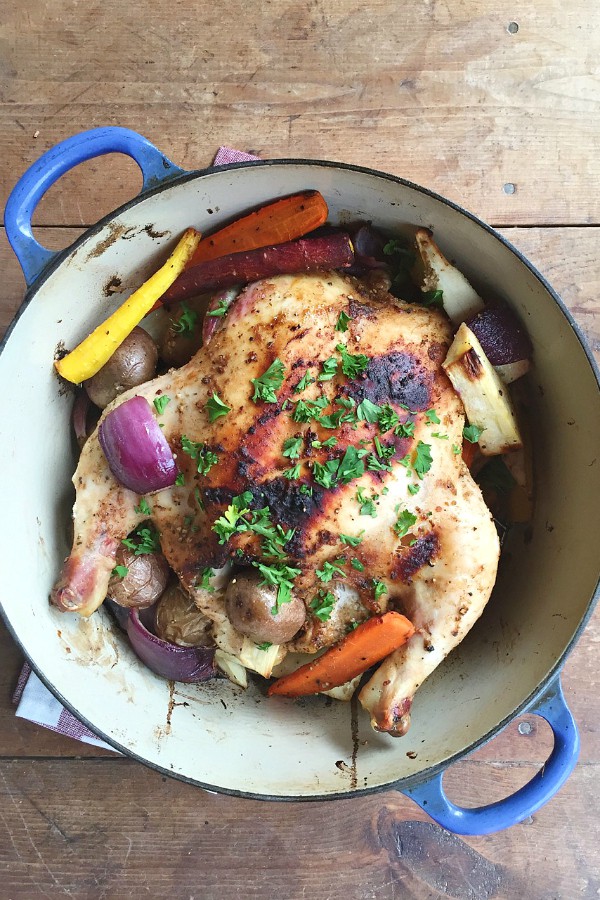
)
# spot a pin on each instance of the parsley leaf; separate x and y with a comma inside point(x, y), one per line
point(342, 322)
point(404, 522)
point(180, 479)
point(304, 383)
point(423, 460)
point(388, 418)
point(281, 576)
point(351, 466)
point(306, 490)
point(161, 403)
point(216, 408)
point(414, 488)
point(433, 299)
point(322, 605)
point(328, 369)
point(220, 309)
point(292, 447)
point(326, 475)
point(269, 382)
point(330, 442)
point(199, 452)
point(143, 509)
point(406, 429)
point(456, 449)
point(143, 540)
point(329, 571)
point(206, 575)
point(186, 322)
point(431, 417)
point(439, 435)
point(228, 524)
point(356, 564)
point(264, 646)
point(367, 504)
point(352, 365)
point(120, 571)
point(380, 588)
point(378, 465)
point(292, 473)
point(472, 433)
point(368, 412)
point(351, 541)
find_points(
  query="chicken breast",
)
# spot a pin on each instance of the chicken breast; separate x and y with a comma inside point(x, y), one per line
point(337, 474)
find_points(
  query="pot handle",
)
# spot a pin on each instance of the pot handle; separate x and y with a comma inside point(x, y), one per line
point(32, 186)
point(552, 707)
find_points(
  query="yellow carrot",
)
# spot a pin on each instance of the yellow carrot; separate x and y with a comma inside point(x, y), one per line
point(93, 352)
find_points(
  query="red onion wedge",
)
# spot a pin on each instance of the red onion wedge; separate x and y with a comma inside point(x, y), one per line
point(176, 663)
point(501, 335)
point(136, 450)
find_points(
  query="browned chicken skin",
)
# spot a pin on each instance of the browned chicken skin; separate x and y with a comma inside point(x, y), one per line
point(440, 573)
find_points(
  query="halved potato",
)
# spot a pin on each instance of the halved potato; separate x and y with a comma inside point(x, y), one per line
point(460, 300)
point(485, 398)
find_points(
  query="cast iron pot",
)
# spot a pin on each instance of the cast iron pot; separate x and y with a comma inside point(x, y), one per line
point(215, 735)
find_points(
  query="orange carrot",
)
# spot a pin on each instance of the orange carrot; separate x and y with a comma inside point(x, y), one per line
point(358, 651)
point(283, 220)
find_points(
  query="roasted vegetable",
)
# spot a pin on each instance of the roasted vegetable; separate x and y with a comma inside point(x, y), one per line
point(179, 621)
point(138, 580)
point(249, 606)
point(132, 363)
point(459, 299)
point(501, 336)
point(367, 645)
point(88, 357)
point(276, 223)
point(182, 338)
point(305, 255)
point(486, 399)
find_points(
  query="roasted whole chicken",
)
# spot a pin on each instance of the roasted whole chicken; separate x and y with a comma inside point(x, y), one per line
point(353, 512)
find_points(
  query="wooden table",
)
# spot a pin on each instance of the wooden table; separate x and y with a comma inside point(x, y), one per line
point(492, 104)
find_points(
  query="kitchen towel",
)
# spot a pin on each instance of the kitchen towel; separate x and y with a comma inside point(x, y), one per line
point(33, 699)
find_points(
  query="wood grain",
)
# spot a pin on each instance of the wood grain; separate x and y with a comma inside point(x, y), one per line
point(106, 829)
point(441, 93)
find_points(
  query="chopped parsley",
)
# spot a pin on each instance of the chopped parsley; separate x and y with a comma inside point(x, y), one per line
point(455, 449)
point(304, 383)
point(380, 588)
point(220, 309)
point(306, 410)
point(143, 509)
point(206, 575)
point(143, 540)
point(406, 429)
point(269, 382)
point(161, 403)
point(330, 442)
point(374, 464)
point(216, 408)
point(351, 541)
point(472, 433)
point(439, 435)
point(330, 570)
point(292, 447)
point(306, 490)
point(368, 412)
point(431, 417)
point(326, 475)
point(264, 646)
point(328, 369)
point(352, 365)
point(423, 460)
point(434, 299)
point(356, 564)
point(186, 322)
point(322, 605)
point(281, 576)
point(351, 466)
point(414, 488)
point(292, 473)
point(342, 321)
point(180, 479)
point(367, 504)
point(388, 418)
point(199, 452)
point(404, 522)
point(227, 524)
point(120, 571)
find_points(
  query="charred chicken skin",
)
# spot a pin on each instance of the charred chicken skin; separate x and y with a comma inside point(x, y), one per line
point(343, 439)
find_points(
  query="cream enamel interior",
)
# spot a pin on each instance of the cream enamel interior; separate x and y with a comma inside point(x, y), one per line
point(236, 740)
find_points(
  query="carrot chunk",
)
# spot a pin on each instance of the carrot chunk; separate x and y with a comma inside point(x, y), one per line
point(368, 644)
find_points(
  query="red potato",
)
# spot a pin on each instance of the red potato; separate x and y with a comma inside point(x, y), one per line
point(334, 251)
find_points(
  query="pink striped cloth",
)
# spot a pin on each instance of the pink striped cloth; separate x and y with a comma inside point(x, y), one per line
point(32, 698)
